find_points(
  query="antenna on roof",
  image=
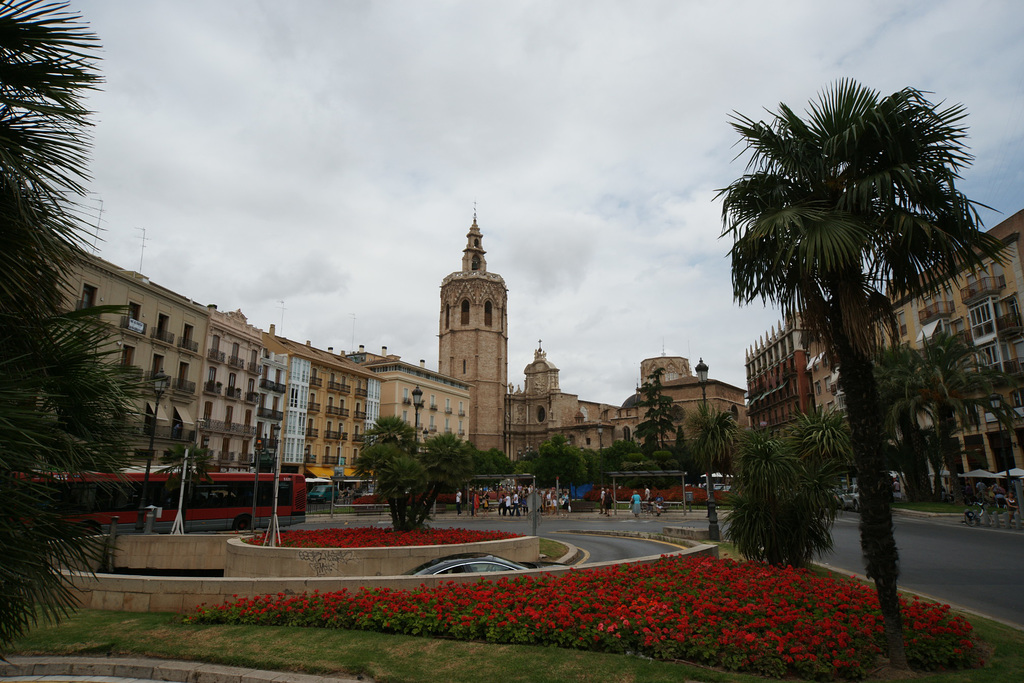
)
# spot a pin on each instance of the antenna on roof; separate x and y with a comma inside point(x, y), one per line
point(143, 252)
point(283, 309)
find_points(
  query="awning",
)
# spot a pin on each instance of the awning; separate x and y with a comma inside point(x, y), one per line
point(811, 362)
point(184, 415)
point(927, 331)
point(320, 471)
point(161, 414)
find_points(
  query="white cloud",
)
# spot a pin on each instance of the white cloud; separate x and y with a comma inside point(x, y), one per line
point(329, 155)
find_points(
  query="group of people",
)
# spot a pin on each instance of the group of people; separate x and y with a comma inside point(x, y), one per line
point(513, 501)
point(992, 495)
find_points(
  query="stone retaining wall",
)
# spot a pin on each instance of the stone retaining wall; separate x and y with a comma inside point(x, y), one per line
point(244, 560)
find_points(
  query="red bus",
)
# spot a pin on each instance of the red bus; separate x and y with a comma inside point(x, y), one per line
point(225, 503)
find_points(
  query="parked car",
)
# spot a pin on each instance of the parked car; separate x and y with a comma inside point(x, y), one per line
point(321, 493)
point(465, 564)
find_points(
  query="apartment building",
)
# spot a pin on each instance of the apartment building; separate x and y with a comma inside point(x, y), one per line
point(158, 333)
point(230, 396)
point(983, 307)
point(446, 400)
point(329, 401)
point(779, 370)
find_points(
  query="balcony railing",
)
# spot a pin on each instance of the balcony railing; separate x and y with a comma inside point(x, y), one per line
point(338, 386)
point(270, 414)
point(253, 367)
point(447, 411)
point(163, 336)
point(185, 386)
point(312, 433)
point(331, 460)
point(935, 310)
point(361, 392)
point(233, 392)
point(332, 434)
point(215, 355)
point(211, 387)
point(433, 406)
point(462, 413)
point(312, 407)
point(407, 401)
point(335, 410)
point(236, 361)
point(310, 459)
point(188, 344)
point(271, 385)
point(1009, 325)
point(252, 397)
point(360, 415)
point(358, 438)
point(986, 286)
point(316, 381)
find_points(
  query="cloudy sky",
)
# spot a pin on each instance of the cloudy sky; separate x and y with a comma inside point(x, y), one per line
point(329, 155)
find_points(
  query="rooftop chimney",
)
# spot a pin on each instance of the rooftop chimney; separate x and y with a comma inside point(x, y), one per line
point(362, 349)
point(330, 349)
point(423, 363)
point(272, 330)
point(384, 351)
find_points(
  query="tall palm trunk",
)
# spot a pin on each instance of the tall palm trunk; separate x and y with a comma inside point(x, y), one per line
point(857, 380)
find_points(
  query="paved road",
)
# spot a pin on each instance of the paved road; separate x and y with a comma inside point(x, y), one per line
point(980, 569)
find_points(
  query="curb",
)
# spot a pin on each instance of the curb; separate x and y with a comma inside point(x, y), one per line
point(142, 669)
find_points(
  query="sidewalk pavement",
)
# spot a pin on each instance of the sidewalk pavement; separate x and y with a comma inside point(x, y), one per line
point(144, 670)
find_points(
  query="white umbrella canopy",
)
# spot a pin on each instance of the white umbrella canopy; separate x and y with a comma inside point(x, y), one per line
point(979, 474)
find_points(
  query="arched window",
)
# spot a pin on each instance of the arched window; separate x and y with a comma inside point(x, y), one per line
point(447, 316)
point(465, 311)
point(476, 263)
point(487, 314)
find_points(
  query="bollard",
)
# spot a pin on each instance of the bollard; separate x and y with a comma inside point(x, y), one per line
point(150, 519)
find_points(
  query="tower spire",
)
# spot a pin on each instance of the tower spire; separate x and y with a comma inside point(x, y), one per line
point(473, 260)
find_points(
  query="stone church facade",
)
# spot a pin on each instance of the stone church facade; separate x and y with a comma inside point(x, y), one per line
point(473, 348)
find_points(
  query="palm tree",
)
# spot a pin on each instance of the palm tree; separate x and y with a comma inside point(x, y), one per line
point(195, 471)
point(64, 404)
point(945, 385)
point(714, 432)
point(836, 213)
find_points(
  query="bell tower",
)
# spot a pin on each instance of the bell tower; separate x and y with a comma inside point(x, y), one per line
point(473, 340)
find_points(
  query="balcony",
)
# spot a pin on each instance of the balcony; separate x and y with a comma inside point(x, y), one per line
point(252, 397)
point(184, 386)
point(433, 406)
point(310, 459)
point(462, 413)
point(188, 344)
point(360, 415)
point(935, 311)
point(132, 325)
point(271, 385)
point(332, 434)
point(162, 336)
point(211, 387)
point(331, 460)
point(254, 368)
point(362, 392)
point(312, 433)
point(335, 410)
point(338, 386)
point(983, 287)
point(447, 411)
point(236, 361)
point(270, 414)
point(233, 392)
point(313, 407)
point(1009, 325)
point(209, 425)
point(316, 381)
point(1012, 367)
point(238, 428)
point(358, 438)
point(215, 355)
point(407, 401)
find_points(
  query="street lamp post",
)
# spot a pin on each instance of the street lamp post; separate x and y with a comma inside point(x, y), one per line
point(713, 532)
point(160, 382)
point(417, 403)
point(600, 447)
point(996, 400)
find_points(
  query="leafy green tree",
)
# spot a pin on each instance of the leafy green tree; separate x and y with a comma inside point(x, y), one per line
point(65, 405)
point(659, 413)
point(410, 477)
point(783, 497)
point(559, 459)
point(491, 461)
point(838, 215)
point(195, 471)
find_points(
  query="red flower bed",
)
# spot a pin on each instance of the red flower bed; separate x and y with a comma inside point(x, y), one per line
point(376, 537)
point(745, 617)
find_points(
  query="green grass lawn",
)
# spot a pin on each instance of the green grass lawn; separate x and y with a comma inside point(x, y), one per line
point(406, 659)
